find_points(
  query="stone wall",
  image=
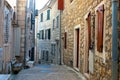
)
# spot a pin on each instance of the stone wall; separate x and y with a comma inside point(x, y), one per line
point(1, 22)
point(21, 23)
point(74, 14)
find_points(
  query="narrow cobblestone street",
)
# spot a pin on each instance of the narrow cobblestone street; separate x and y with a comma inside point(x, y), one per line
point(48, 72)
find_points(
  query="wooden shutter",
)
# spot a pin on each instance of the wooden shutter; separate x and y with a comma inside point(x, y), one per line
point(65, 42)
point(60, 4)
point(100, 14)
point(89, 30)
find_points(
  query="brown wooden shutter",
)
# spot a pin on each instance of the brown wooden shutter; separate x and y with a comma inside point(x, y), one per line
point(100, 14)
point(65, 42)
point(89, 30)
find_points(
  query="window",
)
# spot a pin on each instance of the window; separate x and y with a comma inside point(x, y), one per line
point(89, 29)
point(31, 21)
point(6, 29)
point(57, 23)
point(48, 14)
point(65, 40)
point(46, 32)
point(49, 34)
point(100, 23)
point(42, 34)
point(53, 50)
point(41, 17)
point(53, 23)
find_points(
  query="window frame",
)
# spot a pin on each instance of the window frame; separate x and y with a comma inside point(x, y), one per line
point(48, 14)
point(41, 17)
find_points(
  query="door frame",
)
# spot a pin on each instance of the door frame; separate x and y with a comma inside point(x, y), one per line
point(75, 48)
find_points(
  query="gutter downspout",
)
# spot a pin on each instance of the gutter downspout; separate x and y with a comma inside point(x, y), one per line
point(114, 40)
point(60, 42)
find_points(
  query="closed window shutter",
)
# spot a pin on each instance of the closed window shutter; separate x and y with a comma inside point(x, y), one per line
point(100, 28)
point(89, 30)
point(65, 42)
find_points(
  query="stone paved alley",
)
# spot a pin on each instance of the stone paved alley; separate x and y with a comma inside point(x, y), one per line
point(48, 72)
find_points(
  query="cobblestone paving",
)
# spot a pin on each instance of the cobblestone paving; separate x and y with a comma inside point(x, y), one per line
point(48, 72)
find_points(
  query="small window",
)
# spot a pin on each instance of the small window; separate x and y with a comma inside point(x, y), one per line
point(46, 34)
point(49, 34)
point(100, 23)
point(53, 24)
point(65, 40)
point(41, 17)
point(48, 14)
point(42, 34)
point(57, 23)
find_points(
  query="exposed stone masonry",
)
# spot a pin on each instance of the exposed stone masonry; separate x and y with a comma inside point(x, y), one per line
point(72, 15)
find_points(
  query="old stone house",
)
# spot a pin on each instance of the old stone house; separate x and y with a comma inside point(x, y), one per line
point(6, 36)
point(36, 37)
point(30, 29)
point(25, 30)
point(49, 44)
point(87, 37)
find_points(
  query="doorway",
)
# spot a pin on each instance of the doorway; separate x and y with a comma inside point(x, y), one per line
point(76, 48)
point(77, 53)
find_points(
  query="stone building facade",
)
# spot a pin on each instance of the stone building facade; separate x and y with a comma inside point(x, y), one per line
point(30, 29)
point(6, 36)
point(87, 37)
point(20, 29)
point(49, 33)
point(25, 30)
point(36, 37)
point(55, 33)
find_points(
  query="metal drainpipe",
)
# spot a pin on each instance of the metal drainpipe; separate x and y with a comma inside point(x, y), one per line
point(114, 40)
point(60, 41)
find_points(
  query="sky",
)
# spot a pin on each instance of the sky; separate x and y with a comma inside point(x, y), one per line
point(12, 2)
point(40, 3)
